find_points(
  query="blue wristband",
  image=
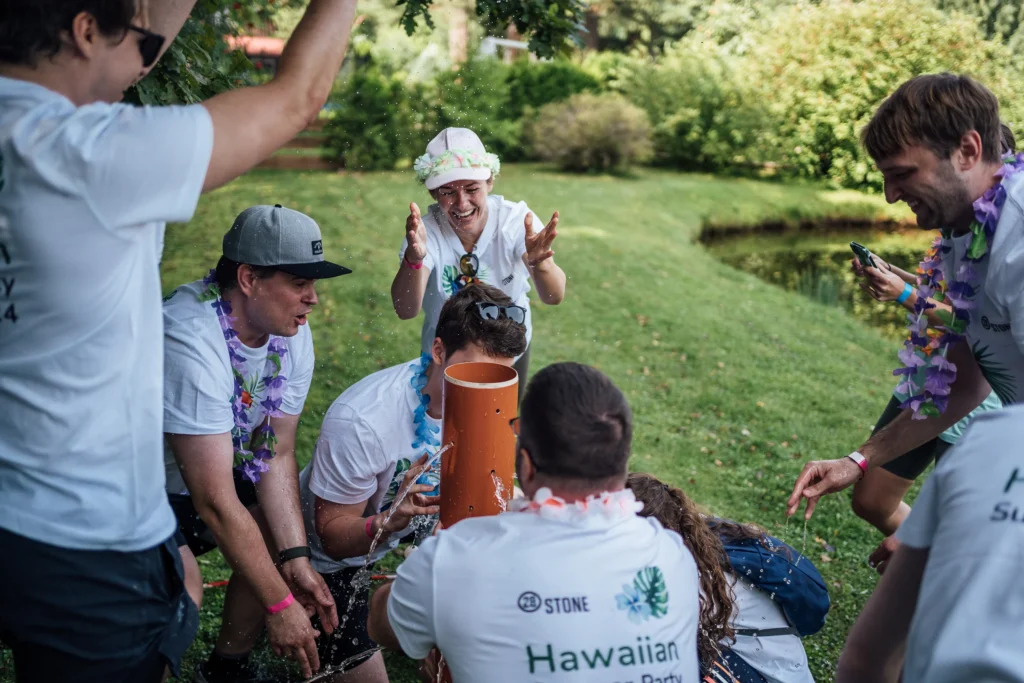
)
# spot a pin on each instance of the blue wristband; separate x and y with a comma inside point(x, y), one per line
point(907, 291)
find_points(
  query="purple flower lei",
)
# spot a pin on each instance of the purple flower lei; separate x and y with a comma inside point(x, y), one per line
point(253, 448)
point(928, 351)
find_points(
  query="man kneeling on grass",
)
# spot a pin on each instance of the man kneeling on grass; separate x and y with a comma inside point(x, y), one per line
point(570, 585)
point(375, 441)
point(238, 363)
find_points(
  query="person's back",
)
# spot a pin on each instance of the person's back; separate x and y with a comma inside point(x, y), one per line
point(560, 594)
point(82, 362)
point(969, 619)
point(571, 585)
point(950, 607)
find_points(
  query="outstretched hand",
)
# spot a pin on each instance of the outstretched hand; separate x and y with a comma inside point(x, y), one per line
point(818, 478)
point(538, 244)
point(416, 235)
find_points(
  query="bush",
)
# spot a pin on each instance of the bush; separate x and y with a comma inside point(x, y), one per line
point(534, 84)
point(592, 133)
point(823, 70)
point(476, 97)
point(705, 119)
point(378, 122)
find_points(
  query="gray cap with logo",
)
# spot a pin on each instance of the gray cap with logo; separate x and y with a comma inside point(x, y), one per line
point(281, 238)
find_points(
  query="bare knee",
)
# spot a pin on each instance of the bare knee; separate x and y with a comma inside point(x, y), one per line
point(877, 497)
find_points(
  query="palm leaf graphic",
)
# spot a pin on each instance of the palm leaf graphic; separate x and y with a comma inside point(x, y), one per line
point(651, 584)
point(999, 378)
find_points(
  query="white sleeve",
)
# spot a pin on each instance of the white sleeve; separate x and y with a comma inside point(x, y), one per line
point(140, 164)
point(301, 370)
point(1009, 272)
point(346, 460)
point(411, 603)
point(198, 385)
point(918, 530)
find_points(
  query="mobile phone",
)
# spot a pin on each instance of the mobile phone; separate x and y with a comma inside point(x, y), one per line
point(863, 255)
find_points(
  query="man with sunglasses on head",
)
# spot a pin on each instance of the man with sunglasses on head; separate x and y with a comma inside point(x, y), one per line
point(375, 447)
point(91, 580)
point(469, 236)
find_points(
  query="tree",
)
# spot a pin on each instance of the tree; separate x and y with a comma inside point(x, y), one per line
point(553, 26)
point(998, 19)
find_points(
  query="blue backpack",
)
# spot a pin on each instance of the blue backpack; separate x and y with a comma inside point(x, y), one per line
point(792, 579)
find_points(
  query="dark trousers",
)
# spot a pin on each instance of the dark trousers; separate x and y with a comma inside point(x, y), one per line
point(93, 616)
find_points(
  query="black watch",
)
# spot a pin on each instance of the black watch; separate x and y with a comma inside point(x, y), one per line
point(294, 553)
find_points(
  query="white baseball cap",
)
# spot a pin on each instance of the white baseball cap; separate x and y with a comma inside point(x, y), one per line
point(455, 154)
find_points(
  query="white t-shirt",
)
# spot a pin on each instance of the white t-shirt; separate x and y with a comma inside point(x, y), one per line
point(969, 622)
point(499, 250)
point(996, 330)
point(780, 659)
point(363, 452)
point(522, 597)
point(84, 196)
point(200, 386)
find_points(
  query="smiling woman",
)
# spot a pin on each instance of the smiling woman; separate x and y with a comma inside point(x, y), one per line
point(471, 236)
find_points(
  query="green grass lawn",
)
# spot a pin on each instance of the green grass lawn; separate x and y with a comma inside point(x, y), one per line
point(733, 383)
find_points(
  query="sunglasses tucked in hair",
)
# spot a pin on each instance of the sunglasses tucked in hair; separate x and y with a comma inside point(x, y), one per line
point(485, 317)
point(489, 310)
point(150, 45)
point(935, 110)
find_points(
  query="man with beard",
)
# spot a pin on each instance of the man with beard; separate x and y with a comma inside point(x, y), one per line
point(936, 141)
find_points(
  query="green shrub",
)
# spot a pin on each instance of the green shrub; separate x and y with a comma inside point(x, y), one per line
point(534, 84)
point(704, 117)
point(823, 70)
point(592, 133)
point(377, 122)
point(476, 97)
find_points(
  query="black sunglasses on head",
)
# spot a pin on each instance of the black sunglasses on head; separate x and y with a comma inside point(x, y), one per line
point(150, 45)
point(492, 311)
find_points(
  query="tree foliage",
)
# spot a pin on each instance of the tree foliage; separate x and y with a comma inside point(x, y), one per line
point(553, 26)
point(821, 73)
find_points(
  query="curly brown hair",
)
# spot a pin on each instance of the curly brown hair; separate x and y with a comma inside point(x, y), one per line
point(677, 512)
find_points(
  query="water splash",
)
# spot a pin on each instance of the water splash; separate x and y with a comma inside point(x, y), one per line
point(499, 492)
point(361, 580)
point(340, 668)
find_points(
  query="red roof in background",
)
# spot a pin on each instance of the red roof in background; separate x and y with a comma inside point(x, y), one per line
point(257, 46)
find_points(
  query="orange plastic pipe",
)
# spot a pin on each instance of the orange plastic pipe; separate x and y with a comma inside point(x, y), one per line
point(478, 400)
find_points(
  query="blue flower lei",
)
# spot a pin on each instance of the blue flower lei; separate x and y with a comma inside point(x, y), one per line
point(427, 435)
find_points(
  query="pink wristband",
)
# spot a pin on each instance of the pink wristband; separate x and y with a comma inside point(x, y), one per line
point(369, 526)
point(281, 606)
point(414, 266)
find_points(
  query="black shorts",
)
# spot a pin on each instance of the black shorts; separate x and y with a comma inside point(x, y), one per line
point(911, 464)
point(93, 615)
point(350, 643)
point(192, 530)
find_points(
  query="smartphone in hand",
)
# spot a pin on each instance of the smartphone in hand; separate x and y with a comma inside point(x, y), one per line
point(863, 255)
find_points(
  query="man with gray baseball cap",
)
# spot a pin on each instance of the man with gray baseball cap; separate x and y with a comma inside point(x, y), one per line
point(238, 362)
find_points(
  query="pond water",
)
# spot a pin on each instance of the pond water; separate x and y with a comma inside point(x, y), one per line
point(816, 263)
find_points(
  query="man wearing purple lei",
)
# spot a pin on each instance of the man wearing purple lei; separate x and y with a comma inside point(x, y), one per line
point(91, 583)
point(936, 141)
point(238, 360)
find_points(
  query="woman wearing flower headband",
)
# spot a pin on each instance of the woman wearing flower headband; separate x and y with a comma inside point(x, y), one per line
point(469, 236)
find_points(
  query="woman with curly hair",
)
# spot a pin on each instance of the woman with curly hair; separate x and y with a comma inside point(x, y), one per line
point(758, 596)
